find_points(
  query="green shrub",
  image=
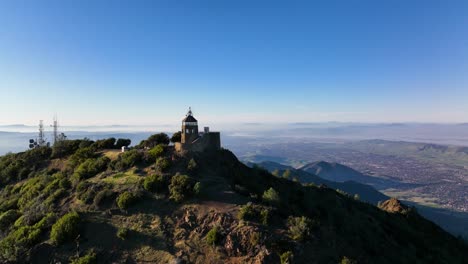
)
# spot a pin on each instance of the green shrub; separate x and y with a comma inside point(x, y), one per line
point(90, 168)
point(346, 260)
point(102, 196)
point(271, 196)
point(20, 222)
point(8, 204)
point(155, 183)
point(299, 227)
point(176, 137)
point(122, 233)
point(64, 148)
point(14, 167)
point(30, 191)
point(81, 155)
point(85, 192)
point(154, 140)
point(122, 142)
point(275, 172)
point(32, 196)
point(248, 213)
point(65, 229)
point(17, 243)
point(286, 257)
point(155, 153)
point(287, 174)
point(197, 189)
point(180, 188)
point(8, 218)
point(128, 159)
point(192, 165)
point(213, 236)
point(162, 163)
point(108, 143)
point(82, 186)
point(89, 258)
point(35, 211)
point(51, 187)
point(55, 196)
point(46, 222)
point(65, 183)
point(125, 200)
point(265, 216)
point(27, 235)
point(85, 142)
point(87, 196)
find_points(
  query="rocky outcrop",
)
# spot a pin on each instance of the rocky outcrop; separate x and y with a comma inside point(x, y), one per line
point(240, 241)
point(393, 205)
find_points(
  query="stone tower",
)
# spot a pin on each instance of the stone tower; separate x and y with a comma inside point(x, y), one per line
point(189, 128)
point(191, 140)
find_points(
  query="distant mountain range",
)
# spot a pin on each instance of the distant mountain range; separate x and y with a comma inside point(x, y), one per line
point(13, 125)
point(366, 193)
point(340, 173)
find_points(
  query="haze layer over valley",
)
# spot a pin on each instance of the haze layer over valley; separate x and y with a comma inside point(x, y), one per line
point(432, 172)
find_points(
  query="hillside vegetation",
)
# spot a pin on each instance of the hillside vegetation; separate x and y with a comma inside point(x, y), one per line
point(85, 202)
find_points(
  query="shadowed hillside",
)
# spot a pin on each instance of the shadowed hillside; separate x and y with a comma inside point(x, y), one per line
point(338, 172)
point(365, 192)
point(85, 202)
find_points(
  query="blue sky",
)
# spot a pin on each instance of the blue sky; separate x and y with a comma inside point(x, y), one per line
point(145, 62)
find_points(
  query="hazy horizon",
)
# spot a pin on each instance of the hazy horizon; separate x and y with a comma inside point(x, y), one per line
point(15, 138)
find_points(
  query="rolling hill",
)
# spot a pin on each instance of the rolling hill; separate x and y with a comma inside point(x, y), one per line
point(340, 173)
point(365, 192)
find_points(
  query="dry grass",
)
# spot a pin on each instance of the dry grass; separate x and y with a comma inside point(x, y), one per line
point(124, 178)
point(112, 154)
point(147, 254)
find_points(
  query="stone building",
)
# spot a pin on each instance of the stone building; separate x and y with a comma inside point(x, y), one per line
point(193, 140)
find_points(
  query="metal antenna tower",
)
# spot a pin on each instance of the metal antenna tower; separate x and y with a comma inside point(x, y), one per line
point(55, 126)
point(41, 140)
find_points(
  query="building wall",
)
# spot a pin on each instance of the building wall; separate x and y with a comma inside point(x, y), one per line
point(178, 146)
point(191, 135)
point(208, 141)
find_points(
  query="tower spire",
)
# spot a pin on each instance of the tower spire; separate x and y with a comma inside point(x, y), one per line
point(189, 113)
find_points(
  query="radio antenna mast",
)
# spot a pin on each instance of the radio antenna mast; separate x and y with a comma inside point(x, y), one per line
point(55, 126)
point(41, 140)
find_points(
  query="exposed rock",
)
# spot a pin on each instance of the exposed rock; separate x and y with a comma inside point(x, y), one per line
point(265, 256)
point(242, 241)
point(190, 218)
point(393, 205)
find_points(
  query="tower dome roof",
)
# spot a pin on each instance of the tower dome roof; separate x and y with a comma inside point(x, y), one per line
point(189, 119)
point(189, 116)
